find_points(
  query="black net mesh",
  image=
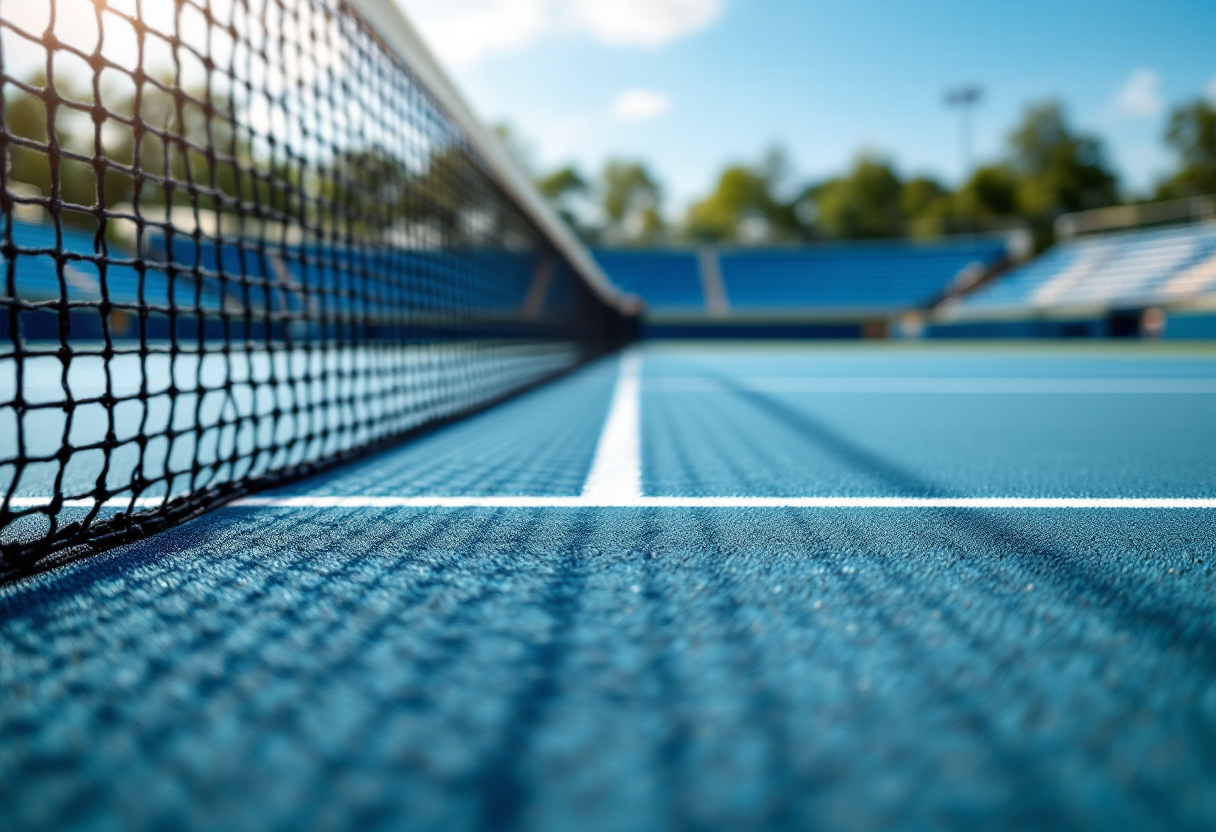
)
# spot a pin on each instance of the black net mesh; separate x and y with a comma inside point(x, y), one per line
point(239, 240)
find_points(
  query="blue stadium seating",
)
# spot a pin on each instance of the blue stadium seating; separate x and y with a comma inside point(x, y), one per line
point(348, 281)
point(668, 281)
point(1124, 270)
point(862, 276)
point(249, 278)
point(37, 274)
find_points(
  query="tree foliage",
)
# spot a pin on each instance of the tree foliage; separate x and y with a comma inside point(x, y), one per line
point(631, 201)
point(992, 191)
point(156, 135)
point(190, 148)
point(1058, 169)
point(866, 203)
point(1049, 168)
point(746, 206)
point(36, 118)
point(924, 196)
point(564, 188)
point(1192, 135)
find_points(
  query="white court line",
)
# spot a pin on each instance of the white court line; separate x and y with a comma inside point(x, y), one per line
point(726, 502)
point(903, 384)
point(672, 502)
point(116, 502)
point(616, 471)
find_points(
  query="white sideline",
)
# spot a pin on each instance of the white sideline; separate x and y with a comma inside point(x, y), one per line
point(117, 502)
point(616, 469)
point(727, 502)
point(674, 502)
point(952, 386)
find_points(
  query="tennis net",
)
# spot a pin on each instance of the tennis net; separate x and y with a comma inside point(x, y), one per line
point(241, 240)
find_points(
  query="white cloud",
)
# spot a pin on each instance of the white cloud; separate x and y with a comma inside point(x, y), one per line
point(645, 22)
point(640, 105)
point(1140, 96)
point(463, 32)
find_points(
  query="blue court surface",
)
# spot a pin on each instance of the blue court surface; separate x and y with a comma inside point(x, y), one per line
point(696, 587)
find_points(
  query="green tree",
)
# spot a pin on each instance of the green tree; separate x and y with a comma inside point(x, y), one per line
point(26, 117)
point(1057, 169)
point(927, 206)
point(563, 189)
point(375, 189)
point(632, 201)
point(746, 205)
point(923, 196)
point(992, 191)
point(867, 203)
point(561, 184)
point(1192, 135)
point(932, 210)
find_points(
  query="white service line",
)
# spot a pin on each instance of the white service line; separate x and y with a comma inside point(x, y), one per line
point(727, 502)
point(639, 501)
point(930, 385)
point(616, 470)
point(116, 502)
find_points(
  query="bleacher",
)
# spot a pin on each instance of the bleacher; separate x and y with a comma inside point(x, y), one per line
point(668, 281)
point(1081, 284)
point(279, 278)
point(858, 278)
point(1113, 271)
point(37, 275)
point(824, 282)
point(186, 273)
point(323, 278)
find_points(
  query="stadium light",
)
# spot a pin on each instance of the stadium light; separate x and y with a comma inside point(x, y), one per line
point(966, 99)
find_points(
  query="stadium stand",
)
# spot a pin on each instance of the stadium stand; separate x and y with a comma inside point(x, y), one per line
point(1124, 270)
point(856, 281)
point(667, 281)
point(37, 281)
point(38, 277)
point(865, 278)
point(323, 277)
point(1093, 286)
point(184, 273)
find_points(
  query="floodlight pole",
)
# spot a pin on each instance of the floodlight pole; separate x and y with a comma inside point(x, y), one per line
point(966, 99)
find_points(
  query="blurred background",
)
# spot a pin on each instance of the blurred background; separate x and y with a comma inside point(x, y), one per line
point(779, 167)
point(758, 121)
point(1023, 129)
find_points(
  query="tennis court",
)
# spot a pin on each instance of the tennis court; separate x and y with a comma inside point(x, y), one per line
point(350, 479)
point(790, 612)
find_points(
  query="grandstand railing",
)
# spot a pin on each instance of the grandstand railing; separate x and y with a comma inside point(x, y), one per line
point(1170, 268)
point(1191, 209)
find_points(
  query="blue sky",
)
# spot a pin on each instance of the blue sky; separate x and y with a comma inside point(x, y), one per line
point(690, 84)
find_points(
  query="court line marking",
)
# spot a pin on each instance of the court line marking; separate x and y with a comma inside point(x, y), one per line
point(729, 502)
point(115, 502)
point(616, 468)
point(324, 502)
point(909, 384)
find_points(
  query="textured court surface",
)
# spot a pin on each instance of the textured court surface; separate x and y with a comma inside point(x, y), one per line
point(645, 668)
